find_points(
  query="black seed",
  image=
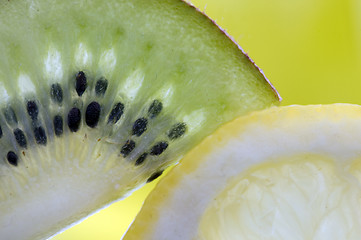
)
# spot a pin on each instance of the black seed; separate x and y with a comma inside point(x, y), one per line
point(155, 108)
point(58, 125)
point(154, 176)
point(10, 116)
point(40, 135)
point(127, 148)
point(56, 93)
point(141, 159)
point(116, 113)
point(81, 83)
point(12, 158)
point(74, 118)
point(101, 86)
point(140, 126)
point(158, 148)
point(20, 138)
point(33, 110)
point(177, 131)
point(1, 132)
point(92, 114)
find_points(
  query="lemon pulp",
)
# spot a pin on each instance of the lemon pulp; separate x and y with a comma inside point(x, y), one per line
point(302, 197)
point(283, 173)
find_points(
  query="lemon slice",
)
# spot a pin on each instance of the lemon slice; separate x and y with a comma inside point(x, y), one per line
point(283, 173)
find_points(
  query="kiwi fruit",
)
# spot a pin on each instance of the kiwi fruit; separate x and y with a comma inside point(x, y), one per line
point(99, 97)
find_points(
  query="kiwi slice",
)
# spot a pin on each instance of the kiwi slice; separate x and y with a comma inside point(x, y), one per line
point(99, 97)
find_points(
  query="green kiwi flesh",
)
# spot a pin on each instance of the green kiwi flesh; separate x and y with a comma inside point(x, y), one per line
point(99, 97)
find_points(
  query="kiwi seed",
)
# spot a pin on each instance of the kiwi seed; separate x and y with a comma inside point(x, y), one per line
point(56, 93)
point(155, 108)
point(140, 126)
point(74, 118)
point(20, 138)
point(101, 86)
point(58, 125)
point(40, 135)
point(81, 83)
point(154, 176)
point(92, 114)
point(141, 159)
point(177, 131)
point(127, 148)
point(116, 113)
point(12, 158)
point(159, 148)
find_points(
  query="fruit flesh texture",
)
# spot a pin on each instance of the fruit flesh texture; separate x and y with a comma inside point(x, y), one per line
point(147, 51)
point(300, 197)
point(283, 173)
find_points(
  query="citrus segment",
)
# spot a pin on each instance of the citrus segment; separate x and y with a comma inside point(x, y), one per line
point(284, 173)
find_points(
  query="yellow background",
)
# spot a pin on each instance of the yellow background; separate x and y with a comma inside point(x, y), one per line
point(309, 49)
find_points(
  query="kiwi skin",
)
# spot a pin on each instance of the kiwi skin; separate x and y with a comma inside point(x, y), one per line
point(98, 98)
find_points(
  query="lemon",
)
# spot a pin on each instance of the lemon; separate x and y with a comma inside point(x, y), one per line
point(284, 173)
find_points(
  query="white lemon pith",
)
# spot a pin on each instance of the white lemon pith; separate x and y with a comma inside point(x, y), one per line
point(283, 173)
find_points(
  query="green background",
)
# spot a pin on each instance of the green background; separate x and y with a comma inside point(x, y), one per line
point(309, 49)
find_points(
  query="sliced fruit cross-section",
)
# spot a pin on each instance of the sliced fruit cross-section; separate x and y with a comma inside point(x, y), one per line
point(283, 173)
point(99, 97)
